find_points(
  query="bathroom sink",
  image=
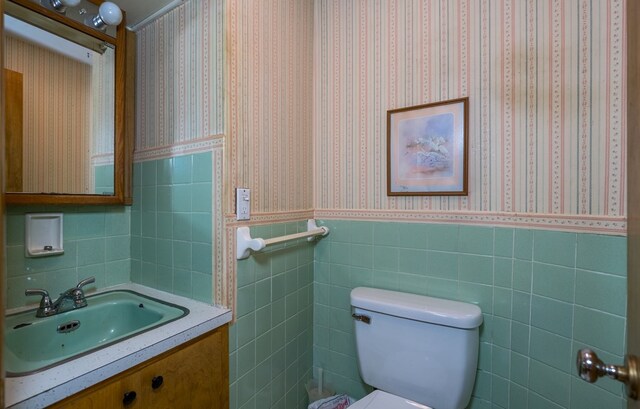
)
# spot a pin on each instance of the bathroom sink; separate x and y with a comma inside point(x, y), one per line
point(32, 344)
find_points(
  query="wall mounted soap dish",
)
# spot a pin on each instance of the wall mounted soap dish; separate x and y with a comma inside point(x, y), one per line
point(43, 234)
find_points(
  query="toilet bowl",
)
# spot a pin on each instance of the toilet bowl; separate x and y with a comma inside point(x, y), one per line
point(417, 351)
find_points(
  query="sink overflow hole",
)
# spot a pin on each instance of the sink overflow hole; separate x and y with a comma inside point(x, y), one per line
point(68, 326)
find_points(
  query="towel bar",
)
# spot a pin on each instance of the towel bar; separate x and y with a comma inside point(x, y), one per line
point(244, 242)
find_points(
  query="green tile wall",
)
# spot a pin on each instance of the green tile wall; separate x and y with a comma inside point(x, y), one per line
point(544, 294)
point(171, 225)
point(96, 243)
point(103, 179)
point(271, 343)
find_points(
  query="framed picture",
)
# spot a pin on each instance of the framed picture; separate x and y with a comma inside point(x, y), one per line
point(427, 149)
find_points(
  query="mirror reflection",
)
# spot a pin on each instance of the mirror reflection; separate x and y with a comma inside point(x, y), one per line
point(59, 112)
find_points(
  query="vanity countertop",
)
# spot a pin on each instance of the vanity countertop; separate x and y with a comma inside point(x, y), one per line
point(52, 385)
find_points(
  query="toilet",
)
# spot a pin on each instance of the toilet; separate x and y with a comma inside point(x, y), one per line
point(418, 352)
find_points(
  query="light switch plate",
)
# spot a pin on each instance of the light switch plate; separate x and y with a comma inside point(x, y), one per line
point(243, 203)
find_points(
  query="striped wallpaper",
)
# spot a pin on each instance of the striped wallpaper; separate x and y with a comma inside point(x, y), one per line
point(56, 151)
point(103, 105)
point(269, 127)
point(180, 76)
point(307, 85)
point(546, 83)
point(532, 151)
point(269, 63)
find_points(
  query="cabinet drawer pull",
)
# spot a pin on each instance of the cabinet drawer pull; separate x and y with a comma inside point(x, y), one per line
point(128, 398)
point(156, 382)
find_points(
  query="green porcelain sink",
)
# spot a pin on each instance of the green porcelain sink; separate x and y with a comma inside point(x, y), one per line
point(32, 344)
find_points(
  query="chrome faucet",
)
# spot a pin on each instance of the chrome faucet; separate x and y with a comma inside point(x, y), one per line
point(69, 300)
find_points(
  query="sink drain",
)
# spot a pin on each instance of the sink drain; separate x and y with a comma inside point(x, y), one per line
point(68, 326)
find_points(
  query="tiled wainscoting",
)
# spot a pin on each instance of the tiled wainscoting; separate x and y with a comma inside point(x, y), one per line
point(96, 243)
point(271, 344)
point(103, 178)
point(544, 294)
point(171, 225)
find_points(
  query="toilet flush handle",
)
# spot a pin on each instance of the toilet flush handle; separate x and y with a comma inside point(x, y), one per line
point(360, 317)
point(590, 368)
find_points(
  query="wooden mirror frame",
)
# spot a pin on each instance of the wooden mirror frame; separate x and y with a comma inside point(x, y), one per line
point(123, 131)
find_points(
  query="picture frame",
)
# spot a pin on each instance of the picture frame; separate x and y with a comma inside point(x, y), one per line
point(427, 149)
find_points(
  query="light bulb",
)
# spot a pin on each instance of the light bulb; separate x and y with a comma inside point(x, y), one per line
point(110, 13)
point(60, 5)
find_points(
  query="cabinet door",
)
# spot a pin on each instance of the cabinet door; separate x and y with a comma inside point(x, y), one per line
point(109, 395)
point(193, 377)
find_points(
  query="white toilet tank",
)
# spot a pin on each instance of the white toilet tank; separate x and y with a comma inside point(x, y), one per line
point(421, 348)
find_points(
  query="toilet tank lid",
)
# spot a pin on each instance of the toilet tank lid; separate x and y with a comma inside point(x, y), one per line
point(418, 307)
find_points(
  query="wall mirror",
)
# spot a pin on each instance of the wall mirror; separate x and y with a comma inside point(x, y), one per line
point(66, 85)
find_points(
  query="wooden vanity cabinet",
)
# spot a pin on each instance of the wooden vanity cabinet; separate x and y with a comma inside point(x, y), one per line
point(193, 375)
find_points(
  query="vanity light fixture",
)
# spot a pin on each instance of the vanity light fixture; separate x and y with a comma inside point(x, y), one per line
point(109, 14)
point(59, 5)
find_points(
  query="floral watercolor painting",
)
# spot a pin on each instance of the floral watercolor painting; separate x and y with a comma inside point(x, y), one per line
point(427, 144)
point(427, 149)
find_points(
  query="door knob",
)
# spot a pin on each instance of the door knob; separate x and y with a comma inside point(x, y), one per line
point(590, 368)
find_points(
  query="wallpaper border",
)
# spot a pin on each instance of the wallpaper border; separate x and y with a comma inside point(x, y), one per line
point(611, 225)
point(271, 217)
point(185, 148)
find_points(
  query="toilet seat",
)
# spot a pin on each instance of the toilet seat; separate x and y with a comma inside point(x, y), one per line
point(383, 400)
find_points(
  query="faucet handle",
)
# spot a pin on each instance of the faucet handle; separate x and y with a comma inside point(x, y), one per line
point(46, 306)
point(78, 294)
point(85, 282)
point(37, 291)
